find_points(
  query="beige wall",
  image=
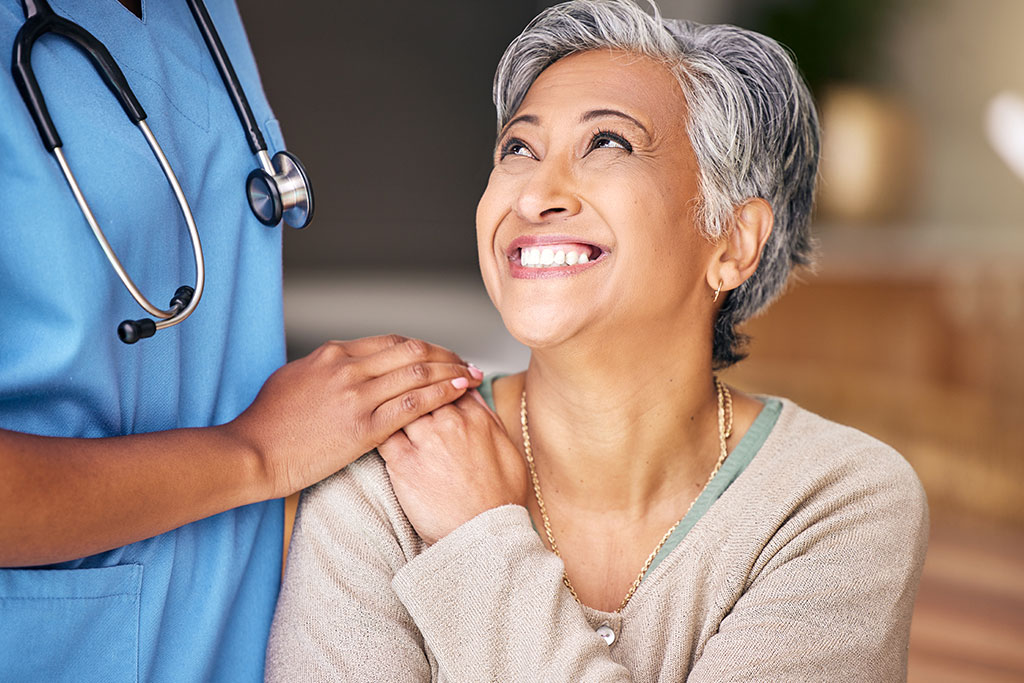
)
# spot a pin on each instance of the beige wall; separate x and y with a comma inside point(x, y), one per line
point(947, 59)
point(950, 57)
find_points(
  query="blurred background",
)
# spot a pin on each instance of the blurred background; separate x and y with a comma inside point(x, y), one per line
point(911, 327)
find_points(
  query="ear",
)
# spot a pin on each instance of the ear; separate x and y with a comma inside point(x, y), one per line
point(736, 257)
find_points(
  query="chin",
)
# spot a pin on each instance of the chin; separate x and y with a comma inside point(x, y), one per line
point(538, 332)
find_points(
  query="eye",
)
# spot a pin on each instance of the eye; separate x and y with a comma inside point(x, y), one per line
point(515, 147)
point(606, 139)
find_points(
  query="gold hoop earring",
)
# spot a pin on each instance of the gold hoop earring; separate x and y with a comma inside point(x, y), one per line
point(717, 291)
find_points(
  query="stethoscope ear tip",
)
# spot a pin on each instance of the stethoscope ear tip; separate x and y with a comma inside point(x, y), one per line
point(131, 331)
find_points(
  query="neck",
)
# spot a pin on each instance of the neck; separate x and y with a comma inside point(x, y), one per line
point(629, 437)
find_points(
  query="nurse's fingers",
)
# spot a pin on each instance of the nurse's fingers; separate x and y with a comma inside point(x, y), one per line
point(367, 345)
point(408, 352)
point(395, 414)
point(389, 347)
point(406, 378)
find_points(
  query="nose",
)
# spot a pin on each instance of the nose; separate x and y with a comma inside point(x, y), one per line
point(548, 192)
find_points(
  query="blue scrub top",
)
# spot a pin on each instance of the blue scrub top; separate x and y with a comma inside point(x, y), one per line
point(196, 603)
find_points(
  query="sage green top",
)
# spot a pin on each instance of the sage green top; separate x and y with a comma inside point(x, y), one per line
point(799, 563)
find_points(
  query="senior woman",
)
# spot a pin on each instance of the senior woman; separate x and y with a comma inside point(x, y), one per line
point(621, 514)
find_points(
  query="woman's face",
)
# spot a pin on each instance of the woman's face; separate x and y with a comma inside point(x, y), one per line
point(586, 225)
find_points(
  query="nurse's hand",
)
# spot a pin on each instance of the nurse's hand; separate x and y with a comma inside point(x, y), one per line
point(450, 466)
point(319, 413)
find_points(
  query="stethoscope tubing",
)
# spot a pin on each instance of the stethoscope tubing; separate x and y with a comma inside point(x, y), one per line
point(166, 318)
point(283, 175)
point(176, 315)
point(230, 78)
point(39, 20)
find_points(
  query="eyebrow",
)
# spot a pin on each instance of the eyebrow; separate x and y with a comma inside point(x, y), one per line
point(601, 113)
point(523, 118)
point(588, 116)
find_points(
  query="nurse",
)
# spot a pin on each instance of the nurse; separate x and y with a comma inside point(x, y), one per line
point(140, 513)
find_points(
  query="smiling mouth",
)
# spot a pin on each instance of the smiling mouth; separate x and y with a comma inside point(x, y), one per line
point(554, 256)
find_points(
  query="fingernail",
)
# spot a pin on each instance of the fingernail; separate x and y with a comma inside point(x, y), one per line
point(475, 371)
point(460, 382)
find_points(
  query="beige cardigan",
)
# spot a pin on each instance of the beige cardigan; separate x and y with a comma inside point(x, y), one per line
point(805, 569)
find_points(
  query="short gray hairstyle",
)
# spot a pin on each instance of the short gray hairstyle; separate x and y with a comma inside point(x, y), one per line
point(752, 125)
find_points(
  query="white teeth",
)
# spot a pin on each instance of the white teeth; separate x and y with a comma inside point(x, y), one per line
point(544, 257)
point(530, 257)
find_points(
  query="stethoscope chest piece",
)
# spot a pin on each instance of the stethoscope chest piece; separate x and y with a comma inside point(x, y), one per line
point(280, 190)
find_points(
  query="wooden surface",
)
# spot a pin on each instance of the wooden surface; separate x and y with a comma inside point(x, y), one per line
point(969, 617)
point(902, 361)
point(935, 367)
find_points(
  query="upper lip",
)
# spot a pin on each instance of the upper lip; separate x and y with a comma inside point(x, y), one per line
point(543, 240)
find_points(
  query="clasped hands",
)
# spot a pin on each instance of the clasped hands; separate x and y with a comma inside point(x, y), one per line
point(317, 414)
point(452, 465)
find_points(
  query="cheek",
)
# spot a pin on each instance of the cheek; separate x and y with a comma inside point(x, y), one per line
point(495, 205)
point(662, 251)
point(492, 205)
point(488, 215)
point(485, 219)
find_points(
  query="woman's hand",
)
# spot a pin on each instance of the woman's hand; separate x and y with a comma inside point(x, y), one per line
point(449, 466)
point(317, 414)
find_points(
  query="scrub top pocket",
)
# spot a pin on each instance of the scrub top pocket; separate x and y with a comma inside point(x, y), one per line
point(70, 624)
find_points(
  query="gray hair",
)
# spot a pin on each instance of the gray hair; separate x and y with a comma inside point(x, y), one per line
point(752, 125)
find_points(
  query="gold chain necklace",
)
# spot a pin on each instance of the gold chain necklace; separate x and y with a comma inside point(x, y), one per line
point(724, 432)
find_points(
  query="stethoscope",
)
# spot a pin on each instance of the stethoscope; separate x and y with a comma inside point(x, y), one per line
point(278, 189)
